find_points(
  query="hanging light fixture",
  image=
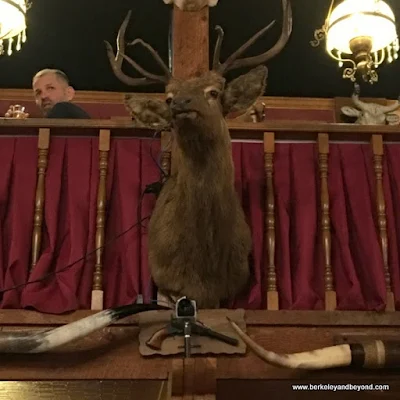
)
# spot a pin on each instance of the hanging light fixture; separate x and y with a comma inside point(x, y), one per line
point(361, 34)
point(12, 25)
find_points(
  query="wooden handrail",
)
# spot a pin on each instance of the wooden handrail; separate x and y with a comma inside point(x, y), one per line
point(284, 130)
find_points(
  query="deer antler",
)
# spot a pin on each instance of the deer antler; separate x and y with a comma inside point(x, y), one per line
point(234, 62)
point(116, 60)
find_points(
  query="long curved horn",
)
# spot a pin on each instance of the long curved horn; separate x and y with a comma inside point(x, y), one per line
point(43, 341)
point(391, 107)
point(357, 102)
point(373, 354)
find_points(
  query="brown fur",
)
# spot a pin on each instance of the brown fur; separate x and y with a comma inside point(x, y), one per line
point(199, 241)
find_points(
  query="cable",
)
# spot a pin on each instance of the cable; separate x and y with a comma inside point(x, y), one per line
point(44, 277)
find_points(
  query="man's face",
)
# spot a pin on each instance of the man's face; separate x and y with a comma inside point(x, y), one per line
point(50, 90)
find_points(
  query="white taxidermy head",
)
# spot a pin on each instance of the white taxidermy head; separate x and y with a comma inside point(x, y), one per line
point(192, 5)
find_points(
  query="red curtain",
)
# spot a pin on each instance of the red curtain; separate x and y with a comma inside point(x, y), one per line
point(356, 257)
point(70, 222)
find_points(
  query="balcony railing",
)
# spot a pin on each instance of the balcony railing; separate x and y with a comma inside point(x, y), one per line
point(337, 250)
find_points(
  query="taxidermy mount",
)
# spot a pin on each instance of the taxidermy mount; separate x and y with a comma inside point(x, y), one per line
point(371, 113)
point(199, 240)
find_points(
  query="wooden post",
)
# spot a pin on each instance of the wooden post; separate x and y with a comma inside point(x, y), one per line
point(190, 43)
point(323, 152)
point(272, 291)
point(43, 152)
point(377, 149)
point(190, 51)
point(190, 58)
point(104, 148)
point(194, 378)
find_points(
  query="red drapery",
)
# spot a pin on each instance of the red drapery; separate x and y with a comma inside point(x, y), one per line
point(70, 222)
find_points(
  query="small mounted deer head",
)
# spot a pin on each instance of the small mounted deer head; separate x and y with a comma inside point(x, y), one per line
point(192, 5)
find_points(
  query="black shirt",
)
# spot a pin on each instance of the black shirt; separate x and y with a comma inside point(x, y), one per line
point(67, 110)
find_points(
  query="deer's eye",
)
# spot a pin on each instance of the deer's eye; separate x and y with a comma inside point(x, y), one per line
point(168, 100)
point(214, 94)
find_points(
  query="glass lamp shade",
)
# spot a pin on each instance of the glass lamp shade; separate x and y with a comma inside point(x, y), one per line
point(360, 18)
point(12, 23)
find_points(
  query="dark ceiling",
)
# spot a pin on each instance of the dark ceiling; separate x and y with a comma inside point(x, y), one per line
point(69, 34)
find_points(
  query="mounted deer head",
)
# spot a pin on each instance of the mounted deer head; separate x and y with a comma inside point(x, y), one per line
point(192, 5)
point(237, 96)
point(199, 241)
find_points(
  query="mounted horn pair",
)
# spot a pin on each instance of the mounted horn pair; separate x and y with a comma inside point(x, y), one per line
point(369, 355)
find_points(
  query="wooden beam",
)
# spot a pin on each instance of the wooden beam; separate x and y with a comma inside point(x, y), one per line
point(257, 318)
point(190, 52)
point(85, 389)
point(190, 43)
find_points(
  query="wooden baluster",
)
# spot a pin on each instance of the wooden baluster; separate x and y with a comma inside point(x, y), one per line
point(272, 292)
point(377, 148)
point(104, 148)
point(323, 151)
point(43, 152)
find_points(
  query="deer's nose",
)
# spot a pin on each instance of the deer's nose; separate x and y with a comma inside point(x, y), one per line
point(181, 102)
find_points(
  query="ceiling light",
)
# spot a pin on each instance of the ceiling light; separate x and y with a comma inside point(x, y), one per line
point(12, 25)
point(361, 34)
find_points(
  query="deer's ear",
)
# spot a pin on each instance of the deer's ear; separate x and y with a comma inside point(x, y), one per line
point(242, 92)
point(350, 111)
point(149, 113)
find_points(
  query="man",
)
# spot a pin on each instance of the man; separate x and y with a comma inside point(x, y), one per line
point(53, 95)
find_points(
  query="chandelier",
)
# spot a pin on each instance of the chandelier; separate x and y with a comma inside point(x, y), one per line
point(361, 34)
point(12, 25)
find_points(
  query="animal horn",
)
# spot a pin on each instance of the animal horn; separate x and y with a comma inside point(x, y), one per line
point(369, 355)
point(43, 341)
point(391, 107)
